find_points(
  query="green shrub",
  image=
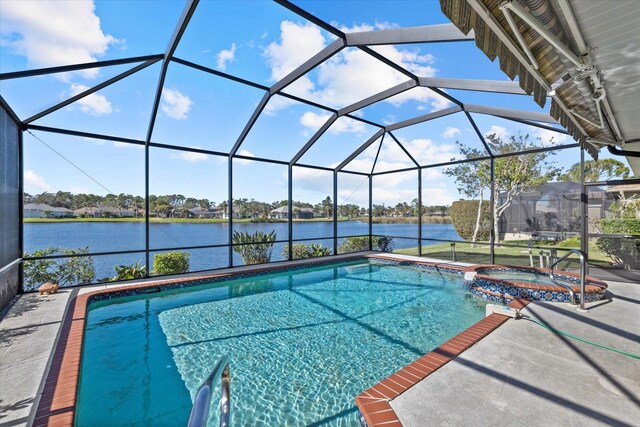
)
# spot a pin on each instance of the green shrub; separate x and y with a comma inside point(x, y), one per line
point(302, 251)
point(625, 252)
point(171, 263)
point(361, 243)
point(464, 214)
point(254, 248)
point(64, 271)
point(128, 272)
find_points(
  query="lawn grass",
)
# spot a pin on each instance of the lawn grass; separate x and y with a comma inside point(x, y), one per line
point(465, 252)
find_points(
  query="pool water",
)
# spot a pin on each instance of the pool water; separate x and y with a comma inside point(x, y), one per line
point(302, 343)
point(524, 276)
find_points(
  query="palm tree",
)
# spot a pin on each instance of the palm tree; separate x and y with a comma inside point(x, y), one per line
point(254, 248)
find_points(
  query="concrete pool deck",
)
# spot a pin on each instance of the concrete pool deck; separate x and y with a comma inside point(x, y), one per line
point(524, 374)
point(29, 330)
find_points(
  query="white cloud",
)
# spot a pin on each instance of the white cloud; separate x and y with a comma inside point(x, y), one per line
point(119, 144)
point(33, 181)
point(193, 157)
point(297, 43)
point(94, 104)
point(174, 104)
point(314, 121)
point(450, 132)
point(277, 103)
point(348, 76)
point(392, 157)
point(245, 153)
point(314, 180)
point(438, 196)
point(548, 137)
point(226, 55)
point(363, 164)
point(54, 33)
point(499, 131)
point(426, 151)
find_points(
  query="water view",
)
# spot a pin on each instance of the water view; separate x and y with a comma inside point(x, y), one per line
point(125, 236)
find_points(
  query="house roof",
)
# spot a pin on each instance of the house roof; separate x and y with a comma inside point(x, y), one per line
point(284, 209)
point(44, 207)
point(624, 187)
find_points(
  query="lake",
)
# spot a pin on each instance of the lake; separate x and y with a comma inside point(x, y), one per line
point(122, 236)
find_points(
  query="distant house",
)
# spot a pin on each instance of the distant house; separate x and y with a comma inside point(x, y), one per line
point(224, 213)
point(87, 212)
point(42, 210)
point(624, 192)
point(105, 212)
point(203, 213)
point(553, 210)
point(298, 213)
point(305, 213)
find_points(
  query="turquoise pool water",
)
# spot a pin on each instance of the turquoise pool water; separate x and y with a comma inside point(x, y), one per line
point(302, 343)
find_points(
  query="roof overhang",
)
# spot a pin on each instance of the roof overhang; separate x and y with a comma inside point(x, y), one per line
point(582, 53)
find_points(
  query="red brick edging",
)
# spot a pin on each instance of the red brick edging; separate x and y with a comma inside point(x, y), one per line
point(373, 403)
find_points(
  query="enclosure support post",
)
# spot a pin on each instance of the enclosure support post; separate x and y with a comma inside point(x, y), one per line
point(290, 214)
point(584, 213)
point(370, 212)
point(230, 209)
point(335, 212)
point(492, 235)
point(419, 212)
point(147, 256)
point(20, 208)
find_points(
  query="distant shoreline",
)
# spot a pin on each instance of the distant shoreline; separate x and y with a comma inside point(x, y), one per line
point(376, 220)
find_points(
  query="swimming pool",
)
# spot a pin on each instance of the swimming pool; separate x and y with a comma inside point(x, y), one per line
point(302, 343)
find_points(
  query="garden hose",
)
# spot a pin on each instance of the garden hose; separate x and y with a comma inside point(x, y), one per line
point(556, 331)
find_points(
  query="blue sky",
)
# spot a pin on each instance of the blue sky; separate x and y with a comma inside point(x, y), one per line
point(255, 40)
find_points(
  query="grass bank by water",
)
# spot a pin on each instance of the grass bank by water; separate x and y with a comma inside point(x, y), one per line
point(466, 252)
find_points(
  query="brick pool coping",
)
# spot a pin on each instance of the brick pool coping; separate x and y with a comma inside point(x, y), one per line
point(57, 404)
point(373, 403)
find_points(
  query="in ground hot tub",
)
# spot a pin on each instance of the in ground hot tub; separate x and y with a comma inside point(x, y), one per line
point(502, 284)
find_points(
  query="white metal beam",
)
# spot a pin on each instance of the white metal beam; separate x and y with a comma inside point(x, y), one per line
point(422, 34)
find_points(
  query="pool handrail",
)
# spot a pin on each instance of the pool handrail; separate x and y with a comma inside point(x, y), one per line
point(582, 276)
point(202, 401)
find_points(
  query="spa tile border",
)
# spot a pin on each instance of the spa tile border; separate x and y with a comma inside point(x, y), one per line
point(504, 290)
point(592, 284)
point(373, 404)
point(57, 404)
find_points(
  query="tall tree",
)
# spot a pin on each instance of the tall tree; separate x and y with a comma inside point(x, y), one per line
point(597, 170)
point(327, 206)
point(513, 174)
point(472, 179)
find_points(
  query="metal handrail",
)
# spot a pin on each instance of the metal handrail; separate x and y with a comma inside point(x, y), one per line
point(202, 401)
point(583, 265)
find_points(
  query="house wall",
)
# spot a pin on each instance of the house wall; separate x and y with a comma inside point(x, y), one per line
point(10, 207)
point(34, 213)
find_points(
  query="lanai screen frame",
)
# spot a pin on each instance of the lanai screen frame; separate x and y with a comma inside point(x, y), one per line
point(362, 41)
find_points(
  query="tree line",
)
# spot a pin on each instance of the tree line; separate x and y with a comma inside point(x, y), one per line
point(178, 205)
